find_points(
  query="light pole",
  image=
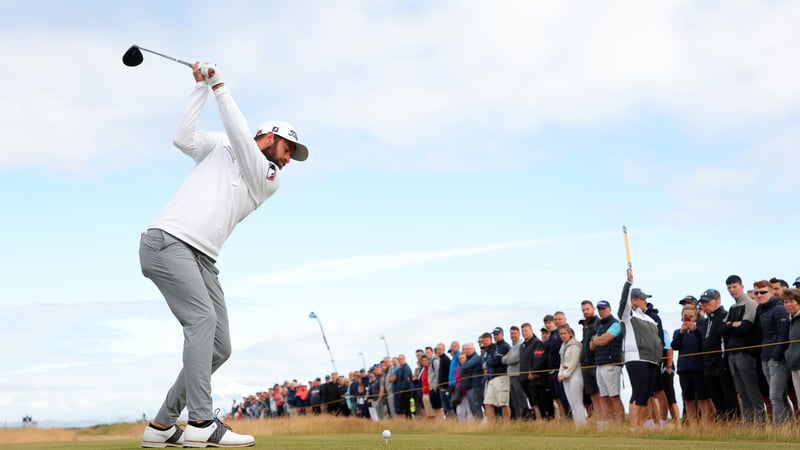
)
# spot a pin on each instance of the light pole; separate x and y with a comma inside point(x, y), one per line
point(363, 361)
point(313, 315)
point(383, 338)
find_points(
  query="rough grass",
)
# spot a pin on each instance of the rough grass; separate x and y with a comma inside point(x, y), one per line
point(337, 432)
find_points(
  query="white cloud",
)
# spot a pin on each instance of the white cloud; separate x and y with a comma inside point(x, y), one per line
point(444, 75)
point(353, 266)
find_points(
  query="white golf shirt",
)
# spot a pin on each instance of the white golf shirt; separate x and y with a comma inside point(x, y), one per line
point(231, 179)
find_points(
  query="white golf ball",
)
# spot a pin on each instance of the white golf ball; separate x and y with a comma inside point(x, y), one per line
point(387, 434)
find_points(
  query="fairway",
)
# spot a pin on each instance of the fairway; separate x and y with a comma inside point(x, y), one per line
point(344, 433)
point(445, 440)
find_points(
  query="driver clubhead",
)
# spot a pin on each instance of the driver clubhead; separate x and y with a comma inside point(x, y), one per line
point(133, 57)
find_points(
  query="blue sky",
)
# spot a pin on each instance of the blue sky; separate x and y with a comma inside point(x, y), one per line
point(470, 167)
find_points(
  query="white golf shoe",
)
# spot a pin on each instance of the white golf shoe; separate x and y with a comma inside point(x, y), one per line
point(215, 435)
point(152, 438)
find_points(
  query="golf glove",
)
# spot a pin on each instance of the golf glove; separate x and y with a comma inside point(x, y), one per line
point(211, 74)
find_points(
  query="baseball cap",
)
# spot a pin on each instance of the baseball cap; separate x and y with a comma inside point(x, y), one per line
point(709, 294)
point(286, 131)
point(796, 281)
point(602, 304)
point(688, 300)
point(497, 330)
point(544, 330)
point(638, 293)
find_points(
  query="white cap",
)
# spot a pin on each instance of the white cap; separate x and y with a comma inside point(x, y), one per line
point(286, 131)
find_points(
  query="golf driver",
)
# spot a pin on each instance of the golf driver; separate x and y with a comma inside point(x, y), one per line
point(133, 57)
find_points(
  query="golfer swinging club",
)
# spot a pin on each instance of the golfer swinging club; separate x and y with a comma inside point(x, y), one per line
point(234, 174)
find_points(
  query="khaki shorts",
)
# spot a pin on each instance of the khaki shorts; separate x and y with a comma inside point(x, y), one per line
point(497, 391)
point(608, 380)
point(426, 402)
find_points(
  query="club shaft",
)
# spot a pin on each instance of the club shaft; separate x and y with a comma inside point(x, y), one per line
point(165, 56)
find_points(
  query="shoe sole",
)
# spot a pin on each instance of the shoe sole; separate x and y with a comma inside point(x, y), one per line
point(200, 444)
point(152, 444)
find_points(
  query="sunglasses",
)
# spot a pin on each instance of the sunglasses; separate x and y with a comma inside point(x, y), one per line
point(761, 292)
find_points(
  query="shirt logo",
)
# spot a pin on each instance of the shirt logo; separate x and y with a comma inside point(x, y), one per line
point(271, 172)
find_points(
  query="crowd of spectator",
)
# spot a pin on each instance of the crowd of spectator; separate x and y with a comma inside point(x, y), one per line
point(740, 365)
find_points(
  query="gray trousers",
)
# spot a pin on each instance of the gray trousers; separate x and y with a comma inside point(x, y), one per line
point(777, 373)
point(188, 281)
point(519, 400)
point(745, 380)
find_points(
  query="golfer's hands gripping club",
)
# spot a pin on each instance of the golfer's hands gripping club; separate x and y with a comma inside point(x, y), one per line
point(207, 72)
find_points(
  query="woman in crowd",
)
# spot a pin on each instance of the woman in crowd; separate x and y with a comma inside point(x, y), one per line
point(791, 301)
point(569, 373)
point(688, 340)
point(460, 400)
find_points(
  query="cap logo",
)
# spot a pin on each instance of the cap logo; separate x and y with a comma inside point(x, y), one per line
point(294, 135)
point(275, 129)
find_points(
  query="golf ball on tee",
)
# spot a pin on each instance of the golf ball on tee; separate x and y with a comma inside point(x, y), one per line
point(387, 434)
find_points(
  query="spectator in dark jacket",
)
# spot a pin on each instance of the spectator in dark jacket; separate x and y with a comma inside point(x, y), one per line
point(402, 387)
point(688, 341)
point(588, 371)
point(741, 338)
point(715, 367)
point(533, 374)
point(471, 372)
point(552, 346)
point(775, 328)
point(498, 384)
point(443, 378)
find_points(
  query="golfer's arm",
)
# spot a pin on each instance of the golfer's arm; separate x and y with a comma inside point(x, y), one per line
point(251, 162)
point(188, 137)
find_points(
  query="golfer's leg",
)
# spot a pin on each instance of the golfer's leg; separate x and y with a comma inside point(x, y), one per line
point(222, 338)
point(174, 270)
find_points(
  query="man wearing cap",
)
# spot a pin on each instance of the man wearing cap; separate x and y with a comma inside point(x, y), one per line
point(740, 339)
point(607, 345)
point(796, 283)
point(497, 389)
point(715, 363)
point(315, 396)
point(642, 348)
point(233, 175)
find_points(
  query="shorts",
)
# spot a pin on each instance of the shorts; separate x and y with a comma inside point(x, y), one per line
point(589, 381)
point(608, 380)
point(659, 386)
point(497, 391)
point(668, 384)
point(693, 385)
point(643, 377)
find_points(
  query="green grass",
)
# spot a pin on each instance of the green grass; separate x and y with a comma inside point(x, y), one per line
point(343, 433)
point(488, 440)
